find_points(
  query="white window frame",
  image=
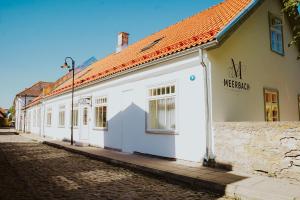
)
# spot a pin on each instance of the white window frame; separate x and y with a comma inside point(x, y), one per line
point(75, 117)
point(162, 96)
point(49, 119)
point(39, 117)
point(62, 116)
point(100, 102)
point(34, 118)
point(85, 116)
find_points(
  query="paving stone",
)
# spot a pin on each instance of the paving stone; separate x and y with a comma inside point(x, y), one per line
point(31, 170)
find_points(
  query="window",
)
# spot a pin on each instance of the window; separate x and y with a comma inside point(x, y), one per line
point(61, 116)
point(149, 46)
point(49, 116)
point(161, 114)
point(39, 118)
point(34, 118)
point(75, 117)
point(276, 34)
point(85, 116)
point(299, 105)
point(29, 121)
point(101, 112)
point(271, 98)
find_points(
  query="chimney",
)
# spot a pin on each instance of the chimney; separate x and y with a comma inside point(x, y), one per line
point(122, 41)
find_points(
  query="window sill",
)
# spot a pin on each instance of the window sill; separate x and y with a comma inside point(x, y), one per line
point(74, 127)
point(61, 126)
point(100, 129)
point(161, 132)
point(278, 53)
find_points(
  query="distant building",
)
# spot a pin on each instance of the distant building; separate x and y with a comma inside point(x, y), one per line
point(37, 92)
point(25, 97)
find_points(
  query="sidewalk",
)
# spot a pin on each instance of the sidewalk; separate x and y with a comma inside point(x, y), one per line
point(231, 183)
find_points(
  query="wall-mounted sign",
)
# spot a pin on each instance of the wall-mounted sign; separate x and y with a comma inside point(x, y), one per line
point(235, 80)
point(192, 77)
point(85, 101)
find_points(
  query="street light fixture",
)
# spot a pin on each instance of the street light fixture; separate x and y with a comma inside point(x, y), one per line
point(71, 69)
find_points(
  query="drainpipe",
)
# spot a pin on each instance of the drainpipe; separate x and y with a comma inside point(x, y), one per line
point(209, 156)
point(24, 120)
point(43, 119)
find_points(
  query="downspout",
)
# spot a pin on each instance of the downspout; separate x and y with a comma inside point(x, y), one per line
point(209, 156)
point(43, 118)
point(24, 120)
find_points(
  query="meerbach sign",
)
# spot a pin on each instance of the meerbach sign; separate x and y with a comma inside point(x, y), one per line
point(235, 80)
point(85, 100)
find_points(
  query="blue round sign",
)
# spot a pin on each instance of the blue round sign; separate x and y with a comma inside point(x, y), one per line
point(192, 77)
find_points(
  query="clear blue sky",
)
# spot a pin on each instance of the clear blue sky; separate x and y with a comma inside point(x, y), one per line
point(36, 35)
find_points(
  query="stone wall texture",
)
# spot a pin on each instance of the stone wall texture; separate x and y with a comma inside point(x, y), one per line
point(271, 149)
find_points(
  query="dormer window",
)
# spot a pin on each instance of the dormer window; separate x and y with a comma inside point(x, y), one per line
point(149, 46)
point(276, 34)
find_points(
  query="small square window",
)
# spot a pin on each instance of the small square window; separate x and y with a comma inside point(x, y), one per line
point(158, 91)
point(167, 90)
point(163, 91)
point(173, 89)
point(271, 98)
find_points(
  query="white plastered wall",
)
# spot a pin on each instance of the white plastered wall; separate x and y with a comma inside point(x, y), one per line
point(261, 67)
point(128, 105)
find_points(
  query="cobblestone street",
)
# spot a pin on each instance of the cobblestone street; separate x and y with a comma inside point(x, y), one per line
point(31, 170)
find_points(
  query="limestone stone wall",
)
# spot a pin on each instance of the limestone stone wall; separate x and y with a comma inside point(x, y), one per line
point(272, 149)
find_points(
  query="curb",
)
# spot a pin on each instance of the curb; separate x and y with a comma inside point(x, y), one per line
point(169, 176)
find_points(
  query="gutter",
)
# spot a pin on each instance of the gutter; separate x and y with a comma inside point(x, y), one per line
point(235, 20)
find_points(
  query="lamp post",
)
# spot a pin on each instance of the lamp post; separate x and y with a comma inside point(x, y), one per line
point(71, 69)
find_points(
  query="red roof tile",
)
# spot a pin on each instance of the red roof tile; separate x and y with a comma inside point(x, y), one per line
point(35, 90)
point(193, 31)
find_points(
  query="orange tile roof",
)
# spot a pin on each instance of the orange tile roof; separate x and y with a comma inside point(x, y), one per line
point(193, 31)
point(35, 101)
point(35, 90)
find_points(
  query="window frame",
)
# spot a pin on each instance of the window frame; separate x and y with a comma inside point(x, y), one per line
point(62, 110)
point(39, 117)
point(49, 111)
point(298, 100)
point(271, 16)
point(174, 95)
point(85, 113)
point(272, 90)
point(34, 118)
point(98, 105)
point(75, 110)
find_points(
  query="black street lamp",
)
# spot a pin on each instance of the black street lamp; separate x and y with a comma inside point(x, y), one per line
point(71, 69)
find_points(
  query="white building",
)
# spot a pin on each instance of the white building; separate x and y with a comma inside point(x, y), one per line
point(25, 97)
point(162, 95)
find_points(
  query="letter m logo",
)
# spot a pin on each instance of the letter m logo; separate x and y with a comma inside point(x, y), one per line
point(237, 69)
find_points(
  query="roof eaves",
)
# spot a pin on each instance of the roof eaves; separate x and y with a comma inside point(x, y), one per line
point(186, 51)
point(222, 34)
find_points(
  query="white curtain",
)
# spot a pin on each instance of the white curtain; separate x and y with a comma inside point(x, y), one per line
point(161, 113)
point(170, 112)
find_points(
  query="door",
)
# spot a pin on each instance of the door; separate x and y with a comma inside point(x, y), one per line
point(85, 119)
point(131, 117)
